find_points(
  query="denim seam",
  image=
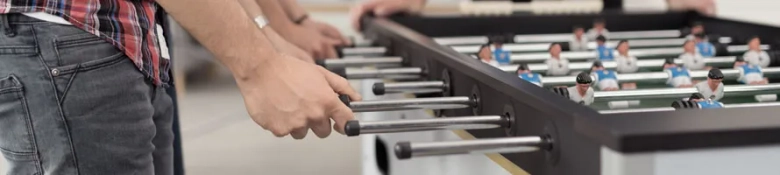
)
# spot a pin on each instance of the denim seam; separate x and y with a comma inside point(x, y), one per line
point(31, 132)
point(70, 82)
point(9, 90)
point(59, 107)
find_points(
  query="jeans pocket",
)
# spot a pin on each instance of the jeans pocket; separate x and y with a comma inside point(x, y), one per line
point(16, 136)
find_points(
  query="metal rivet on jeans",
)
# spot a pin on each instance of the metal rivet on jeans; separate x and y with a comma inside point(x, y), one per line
point(55, 72)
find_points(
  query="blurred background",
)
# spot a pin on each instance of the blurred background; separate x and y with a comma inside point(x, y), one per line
point(219, 137)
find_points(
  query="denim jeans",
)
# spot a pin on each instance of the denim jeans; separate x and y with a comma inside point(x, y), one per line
point(71, 103)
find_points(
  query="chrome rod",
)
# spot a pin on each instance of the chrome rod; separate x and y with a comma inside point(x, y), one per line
point(407, 104)
point(354, 62)
point(743, 105)
point(363, 51)
point(354, 127)
point(590, 55)
point(543, 47)
point(560, 37)
point(649, 77)
point(410, 87)
point(392, 73)
point(731, 90)
point(406, 150)
point(645, 63)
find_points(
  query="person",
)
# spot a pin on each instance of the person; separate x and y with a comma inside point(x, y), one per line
point(603, 52)
point(606, 80)
point(755, 55)
point(749, 73)
point(692, 59)
point(599, 29)
point(679, 76)
point(501, 56)
point(486, 56)
point(582, 93)
point(705, 48)
point(578, 41)
point(697, 27)
point(556, 65)
point(704, 103)
point(713, 87)
point(106, 111)
point(626, 63)
point(524, 73)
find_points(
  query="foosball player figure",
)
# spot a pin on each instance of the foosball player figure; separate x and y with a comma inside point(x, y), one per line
point(696, 28)
point(499, 54)
point(749, 73)
point(697, 101)
point(603, 52)
point(606, 80)
point(690, 58)
point(556, 65)
point(713, 87)
point(524, 73)
point(626, 63)
point(578, 42)
point(679, 76)
point(705, 48)
point(755, 55)
point(599, 29)
point(485, 56)
point(581, 93)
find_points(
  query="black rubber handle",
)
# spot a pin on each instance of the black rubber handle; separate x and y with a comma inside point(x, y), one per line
point(320, 63)
point(339, 51)
point(352, 128)
point(340, 71)
point(403, 150)
point(378, 88)
point(344, 99)
point(682, 104)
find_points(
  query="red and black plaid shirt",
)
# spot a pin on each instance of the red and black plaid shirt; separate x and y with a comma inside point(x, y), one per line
point(127, 24)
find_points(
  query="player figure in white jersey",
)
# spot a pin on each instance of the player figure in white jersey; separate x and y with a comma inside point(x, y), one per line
point(599, 29)
point(578, 41)
point(486, 56)
point(556, 65)
point(713, 87)
point(626, 63)
point(755, 55)
point(692, 59)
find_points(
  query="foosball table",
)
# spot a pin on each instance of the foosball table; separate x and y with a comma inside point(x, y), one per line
point(425, 80)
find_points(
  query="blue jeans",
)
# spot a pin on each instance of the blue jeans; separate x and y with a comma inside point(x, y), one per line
point(71, 103)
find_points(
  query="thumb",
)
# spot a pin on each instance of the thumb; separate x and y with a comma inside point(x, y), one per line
point(340, 85)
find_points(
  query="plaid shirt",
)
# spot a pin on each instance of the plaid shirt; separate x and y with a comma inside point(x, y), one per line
point(127, 24)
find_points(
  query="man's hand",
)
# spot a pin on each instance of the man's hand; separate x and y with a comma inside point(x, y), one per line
point(310, 40)
point(383, 8)
point(327, 30)
point(285, 47)
point(706, 7)
point(289, 96)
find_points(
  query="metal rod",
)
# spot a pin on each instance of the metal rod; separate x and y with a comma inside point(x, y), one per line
point(355, 127)
point(743, 105)
point(649, 77)
point(589, 55)
point(731, 90)
point(560, 37)
point(364, 51)
point(392, 73)
point(407, 104)
point(406, 150)
point(542, 47)
point(645, 63)
point(355, 62)
point(410, 87)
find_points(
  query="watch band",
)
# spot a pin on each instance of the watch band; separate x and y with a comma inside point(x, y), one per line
point(261, 22)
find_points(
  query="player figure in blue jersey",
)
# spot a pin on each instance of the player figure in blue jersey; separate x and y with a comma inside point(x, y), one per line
point(603, 52)
point(704, 103)
point(705, 48)
point(606, 80)
point(679, 75)
point(524, 73)
point(499, 54)
point(749, 73)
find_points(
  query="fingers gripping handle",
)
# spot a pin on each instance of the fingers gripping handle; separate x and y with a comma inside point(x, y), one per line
point(345, 99)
